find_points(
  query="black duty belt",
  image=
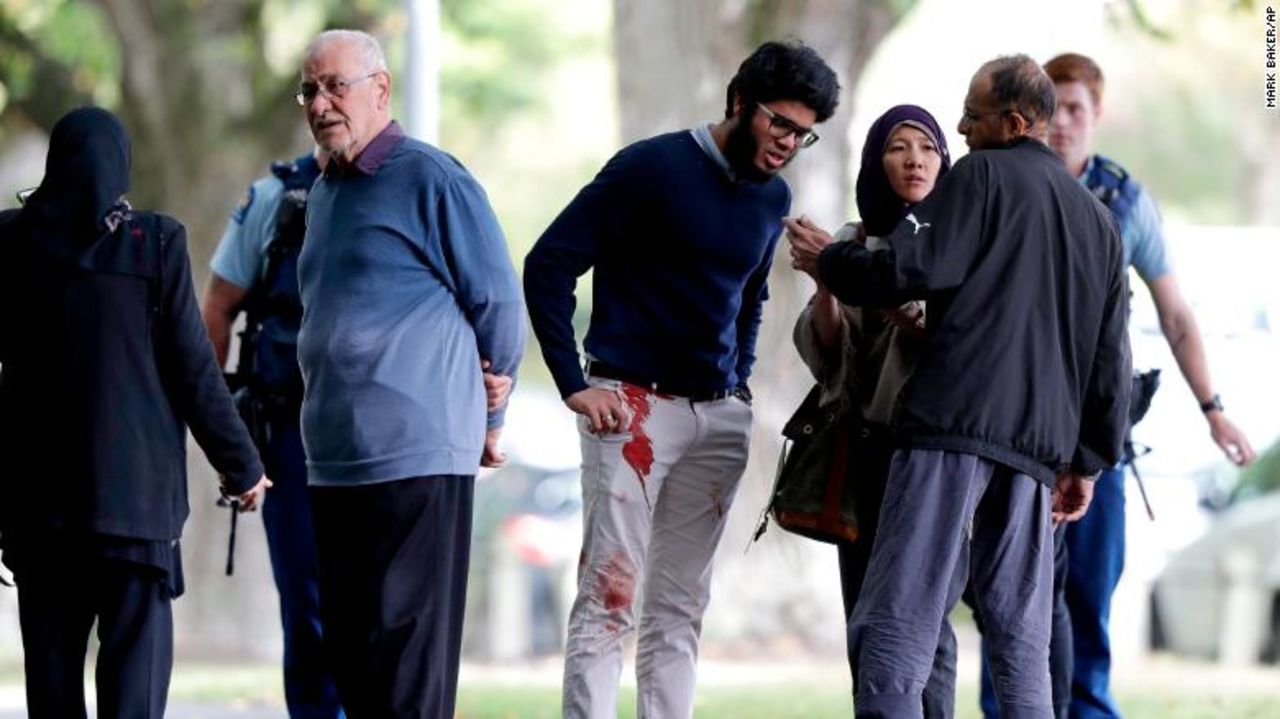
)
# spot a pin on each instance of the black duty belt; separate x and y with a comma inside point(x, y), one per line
point(596, 368)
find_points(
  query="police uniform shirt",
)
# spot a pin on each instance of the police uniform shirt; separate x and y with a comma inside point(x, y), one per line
point(1141, 234)
point(243, 247)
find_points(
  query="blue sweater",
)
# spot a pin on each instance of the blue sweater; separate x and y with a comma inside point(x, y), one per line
point(681, 255)
point(406, 283)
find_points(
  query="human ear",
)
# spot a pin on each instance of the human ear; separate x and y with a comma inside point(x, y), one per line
point(1015, 124)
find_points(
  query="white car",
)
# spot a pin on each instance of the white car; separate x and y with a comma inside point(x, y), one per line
point(1220, 595)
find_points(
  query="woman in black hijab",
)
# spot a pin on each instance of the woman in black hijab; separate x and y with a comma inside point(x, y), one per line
point(861, 358)
point(104, 365)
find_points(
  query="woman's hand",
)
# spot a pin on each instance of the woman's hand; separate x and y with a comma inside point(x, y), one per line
point(807, 242)
point(908, 317)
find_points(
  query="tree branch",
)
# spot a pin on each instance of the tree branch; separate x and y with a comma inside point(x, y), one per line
point(51, 91)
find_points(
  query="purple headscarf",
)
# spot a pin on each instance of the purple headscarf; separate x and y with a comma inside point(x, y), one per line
point(879, 206)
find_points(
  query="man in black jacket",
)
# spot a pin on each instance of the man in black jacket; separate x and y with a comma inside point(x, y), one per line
point(104, 364)
point(1018, 400)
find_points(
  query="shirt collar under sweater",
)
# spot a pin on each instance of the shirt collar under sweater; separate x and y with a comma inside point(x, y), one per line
point(702, 136)
point(373, 155)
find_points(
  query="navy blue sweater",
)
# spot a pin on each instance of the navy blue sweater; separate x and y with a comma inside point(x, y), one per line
point(681, 254)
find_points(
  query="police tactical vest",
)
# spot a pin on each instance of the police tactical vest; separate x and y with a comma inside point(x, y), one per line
point(274, 307)
point(1110, 183)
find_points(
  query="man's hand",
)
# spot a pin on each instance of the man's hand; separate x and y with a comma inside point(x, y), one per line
point(496, 387)
point(250, 501)
point(807, 242)
point(1229, 437)
point(1071, 497)
point(604, 409)
point(492, 457)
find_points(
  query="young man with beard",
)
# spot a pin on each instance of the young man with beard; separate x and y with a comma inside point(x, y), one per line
point(1018, 398)
point(680, 229)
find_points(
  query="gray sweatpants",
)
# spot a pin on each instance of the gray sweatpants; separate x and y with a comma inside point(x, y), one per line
point(936, 503)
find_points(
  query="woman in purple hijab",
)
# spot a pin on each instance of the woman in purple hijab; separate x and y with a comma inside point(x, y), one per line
point(861, 358)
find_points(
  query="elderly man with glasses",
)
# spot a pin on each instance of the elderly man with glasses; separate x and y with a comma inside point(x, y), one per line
point(405, 282)
point(681, 230)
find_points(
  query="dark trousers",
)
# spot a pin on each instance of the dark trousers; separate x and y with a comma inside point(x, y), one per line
point(935, 504)
point(393, 563)
point(1095, 552)
point(1060, 641)
point(57, 605)
point(872, 469)
point(309, 690)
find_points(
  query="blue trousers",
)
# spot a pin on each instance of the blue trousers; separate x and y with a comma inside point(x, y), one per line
point(309, 688)
point(1060, 641)
point(935, 504)
point(1095, 555)
point(869, 473)
point(1088, 562)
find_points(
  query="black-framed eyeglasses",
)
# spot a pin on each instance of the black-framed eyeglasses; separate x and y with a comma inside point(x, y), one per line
point(780, 127)
point(331, 88)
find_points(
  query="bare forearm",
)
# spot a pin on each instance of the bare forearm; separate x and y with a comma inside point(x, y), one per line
point(1183, 336)
point(218, 325)
point(222, 302)
point(1179, 327)
point(826, 318)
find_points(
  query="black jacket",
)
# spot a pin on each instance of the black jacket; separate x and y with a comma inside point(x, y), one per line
point(1026, 360)
point(104, 363)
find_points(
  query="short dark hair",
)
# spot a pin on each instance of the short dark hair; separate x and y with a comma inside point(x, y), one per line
point(787, 70)
point(1019, 81)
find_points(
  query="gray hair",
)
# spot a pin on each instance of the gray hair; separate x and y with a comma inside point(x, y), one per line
point(375, 60)
point(1019, 81)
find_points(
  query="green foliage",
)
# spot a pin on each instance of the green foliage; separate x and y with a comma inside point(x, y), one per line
point(57, 47)
point(1259, 478)
point(496, 51)
point(1204, 183)
point(1136, 14)
point(497, 54)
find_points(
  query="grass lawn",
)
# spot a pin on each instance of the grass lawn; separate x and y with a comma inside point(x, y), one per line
point(800, 701)
point(1158, 688)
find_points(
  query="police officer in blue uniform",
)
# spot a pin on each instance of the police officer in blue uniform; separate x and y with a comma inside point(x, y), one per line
point(254, 270)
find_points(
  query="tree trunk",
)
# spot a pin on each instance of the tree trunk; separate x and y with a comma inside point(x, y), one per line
point(195, 77)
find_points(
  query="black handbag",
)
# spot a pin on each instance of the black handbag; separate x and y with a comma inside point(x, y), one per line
point(814, 492)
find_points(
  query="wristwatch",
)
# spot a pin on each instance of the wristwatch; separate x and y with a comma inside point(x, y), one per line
point(1211, 404)
point(743, 393)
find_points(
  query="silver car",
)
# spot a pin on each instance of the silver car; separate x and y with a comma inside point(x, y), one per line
point(1220, 595)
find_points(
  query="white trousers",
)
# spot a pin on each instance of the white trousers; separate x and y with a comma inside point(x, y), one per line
point(654, 502)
